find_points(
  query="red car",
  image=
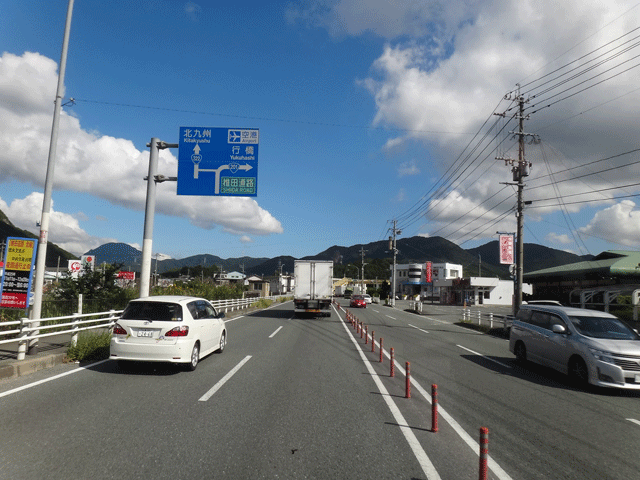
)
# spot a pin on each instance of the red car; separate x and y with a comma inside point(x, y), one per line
point(358, 301)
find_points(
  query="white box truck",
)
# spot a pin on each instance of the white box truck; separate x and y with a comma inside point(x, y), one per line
point(312, 290)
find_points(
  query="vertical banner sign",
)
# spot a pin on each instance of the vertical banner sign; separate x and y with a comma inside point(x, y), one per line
point(428, 272)
point(506, 249)
point(18, 272)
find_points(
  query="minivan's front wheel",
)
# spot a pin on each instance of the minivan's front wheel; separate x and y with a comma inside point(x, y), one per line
point(579, 372)
point(521, 353)
point(195, 357)
point(223, 341)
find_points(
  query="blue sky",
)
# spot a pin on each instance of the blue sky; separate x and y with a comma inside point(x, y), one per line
point(366, 111)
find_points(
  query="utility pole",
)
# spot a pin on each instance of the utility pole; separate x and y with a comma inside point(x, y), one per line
point(520, 169)
point(362, 252)
point(392, 247)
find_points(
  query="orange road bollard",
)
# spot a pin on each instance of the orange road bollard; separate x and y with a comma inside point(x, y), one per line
point(434, 408)
point(366, 335)
point(484, 452)
point(373, 340)
point(392, 372)
point(381, 350)
point(408, 382)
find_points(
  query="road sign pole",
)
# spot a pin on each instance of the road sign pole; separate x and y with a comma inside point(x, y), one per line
point(149, 213)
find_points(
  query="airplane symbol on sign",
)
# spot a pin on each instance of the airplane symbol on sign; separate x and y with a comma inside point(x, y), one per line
point(234, 136)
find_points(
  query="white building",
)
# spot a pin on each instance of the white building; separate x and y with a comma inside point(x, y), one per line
point(411, 279)
point(449, 287)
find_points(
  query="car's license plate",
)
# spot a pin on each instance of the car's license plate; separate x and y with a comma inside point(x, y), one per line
point(145, 333)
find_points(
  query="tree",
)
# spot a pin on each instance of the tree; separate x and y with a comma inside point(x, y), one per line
point(99, 286)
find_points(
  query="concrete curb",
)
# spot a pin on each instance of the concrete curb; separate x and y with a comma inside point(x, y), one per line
point(26, 367)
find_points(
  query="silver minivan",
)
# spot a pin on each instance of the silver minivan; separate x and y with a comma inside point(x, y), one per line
point(588, 345)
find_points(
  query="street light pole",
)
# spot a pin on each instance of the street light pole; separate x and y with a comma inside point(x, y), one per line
point(41, 257)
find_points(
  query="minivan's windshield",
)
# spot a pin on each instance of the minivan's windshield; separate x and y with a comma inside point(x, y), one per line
point(163, 311)
point(603, 327)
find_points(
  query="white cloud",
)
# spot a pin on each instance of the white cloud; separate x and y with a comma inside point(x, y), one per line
point(619, 223)
point(450, 78)
point(562, 238)
point(65, 230)
point(106, 167)
point(246, 239)
point(408, 168)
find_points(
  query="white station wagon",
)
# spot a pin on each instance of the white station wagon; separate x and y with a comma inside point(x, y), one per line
point(173, 329)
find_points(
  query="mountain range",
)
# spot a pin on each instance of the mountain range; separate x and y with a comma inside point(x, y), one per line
point(482, 260)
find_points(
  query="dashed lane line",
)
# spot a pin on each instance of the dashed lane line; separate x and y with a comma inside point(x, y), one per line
point(224, 380)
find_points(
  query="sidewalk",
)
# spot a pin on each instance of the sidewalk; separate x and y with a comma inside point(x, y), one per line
point(52, 351)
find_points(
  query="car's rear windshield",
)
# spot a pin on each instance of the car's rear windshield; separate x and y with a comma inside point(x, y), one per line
point(603, 327)
point(162, 311)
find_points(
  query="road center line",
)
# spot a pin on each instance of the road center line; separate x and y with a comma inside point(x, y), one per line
point(274, 333)
point(392, 318)
point(224, 380)
point(413, 326)
point(466, 438)
point(424, 461)
point(484, 356)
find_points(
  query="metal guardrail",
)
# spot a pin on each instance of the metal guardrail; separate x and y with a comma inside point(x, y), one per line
point(88, 321)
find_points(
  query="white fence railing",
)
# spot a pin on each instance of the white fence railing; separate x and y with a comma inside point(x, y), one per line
point(29, 330)
point(477, 317)
point(486, 318)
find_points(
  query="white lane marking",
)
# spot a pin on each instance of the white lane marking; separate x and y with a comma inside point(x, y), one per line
point(233, 319)
point(500, 473)
point(484, 356)
point(224, 380)
point(439, 321)
point(55, 377)
point(633, 420)
point(392, 318)
point(413, 326)
point(375, 311)
point(274, 333)
point(426, 464)
point(242, 316)
point(475, 447)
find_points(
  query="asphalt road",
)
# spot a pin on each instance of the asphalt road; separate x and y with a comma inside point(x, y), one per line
point(306, 398)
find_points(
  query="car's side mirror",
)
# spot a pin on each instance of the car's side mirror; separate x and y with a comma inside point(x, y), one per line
point(557, 328)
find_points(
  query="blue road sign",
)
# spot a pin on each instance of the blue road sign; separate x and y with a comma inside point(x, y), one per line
point(218, 161)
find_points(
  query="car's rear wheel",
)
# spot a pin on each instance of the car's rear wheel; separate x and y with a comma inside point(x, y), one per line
point(223, 342)
point(521, 352)
point(195, 357)
point(578, 372)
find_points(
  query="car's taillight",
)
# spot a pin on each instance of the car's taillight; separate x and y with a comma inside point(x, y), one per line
point(182, 331)
point(118, 330)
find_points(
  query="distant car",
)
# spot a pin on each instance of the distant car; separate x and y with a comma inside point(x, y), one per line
point(588, 345)
point(367, 298)
point(176, 329)
point(358, 301)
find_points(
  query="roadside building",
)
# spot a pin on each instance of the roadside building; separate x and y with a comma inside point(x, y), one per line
point(449, 287)
point(608, 280)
